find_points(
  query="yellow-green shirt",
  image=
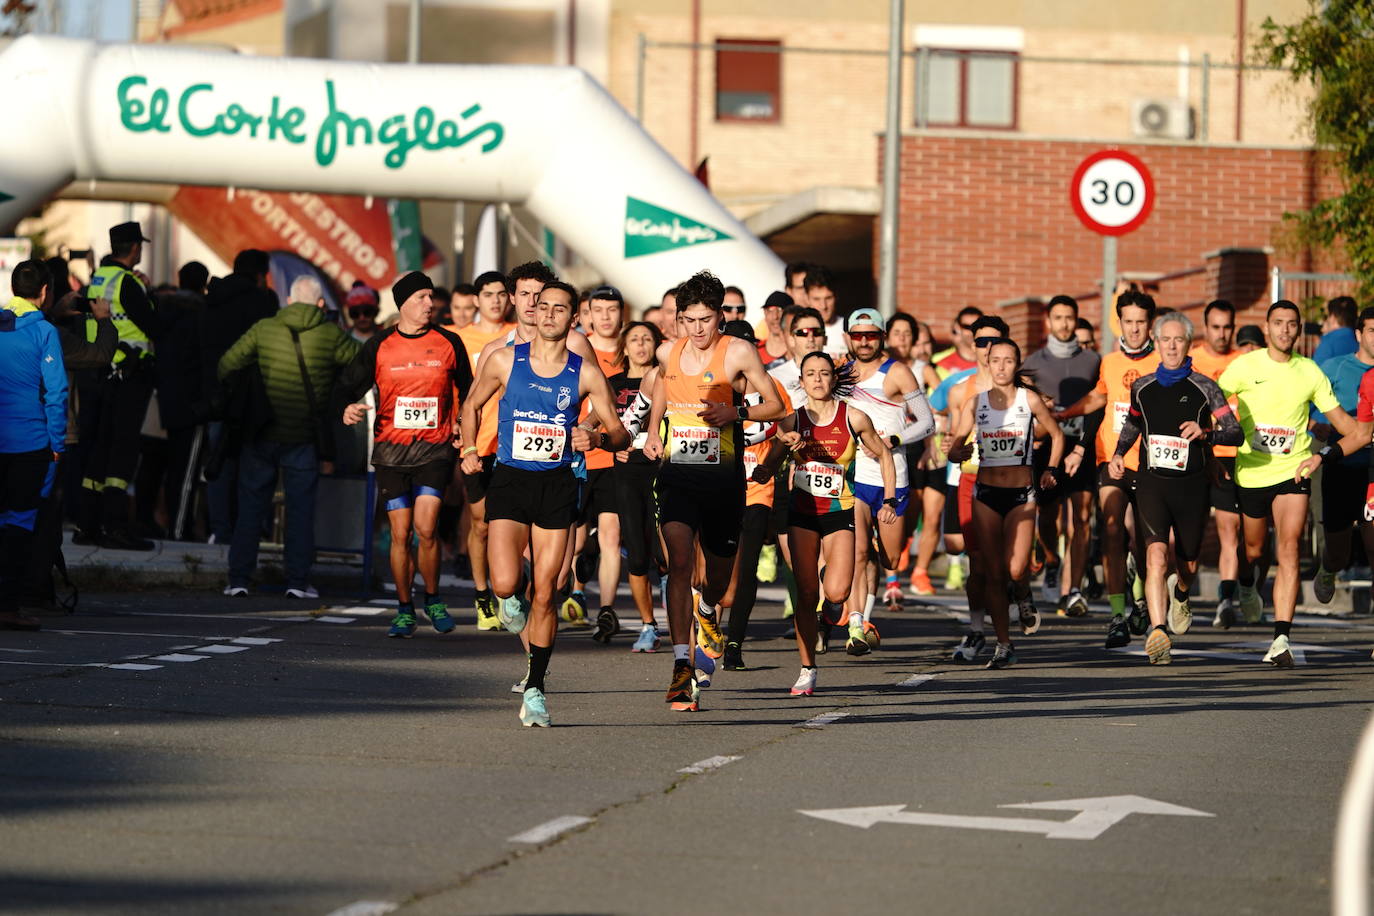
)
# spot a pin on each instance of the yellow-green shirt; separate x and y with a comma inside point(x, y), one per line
point(1272, 399)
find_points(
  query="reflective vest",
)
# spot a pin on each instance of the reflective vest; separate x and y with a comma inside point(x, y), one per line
point(106, 284)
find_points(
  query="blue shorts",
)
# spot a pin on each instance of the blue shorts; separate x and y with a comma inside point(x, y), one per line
point(873, 496)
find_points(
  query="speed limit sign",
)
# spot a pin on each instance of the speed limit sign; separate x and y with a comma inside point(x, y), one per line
point(1112, 192)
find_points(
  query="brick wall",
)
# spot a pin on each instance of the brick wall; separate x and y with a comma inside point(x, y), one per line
point(987, 219)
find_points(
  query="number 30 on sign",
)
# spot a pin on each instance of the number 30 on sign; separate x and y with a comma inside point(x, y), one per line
point(1112, 192)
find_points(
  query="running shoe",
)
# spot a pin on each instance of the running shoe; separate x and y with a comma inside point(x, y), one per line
point(1139, 617)
point(513, 613)
point(1158, 646)
point(607, 625)
point(768, 563)
point(1076, 605)
point(1118, 633)
point(892, 595)
point(705, 667)
point(439, 617)
point(1324, 585)
point(871, 635)
point(648, 639)
point(1279, 654)
point(236, 591)
point(1131, 574)
point(972, 646)
point(661, 612)
point(920, 583)
point(709, 636)
point(403, 625)
point(487, 618)
point(1226, 614)
point(954, 579)
point(1003, 657)
point(683, 693)
point(1049, 586)
point(734, 658)
point(307, 592)
point(1251, 604)
point(533, 711)
point(1180, 612)
point(806, 683)
point(856, 644)
point(787, 611)
point(823, 628)
point(1030, 617)
point(574, 609)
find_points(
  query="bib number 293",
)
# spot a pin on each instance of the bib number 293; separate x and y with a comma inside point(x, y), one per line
point(538, 442)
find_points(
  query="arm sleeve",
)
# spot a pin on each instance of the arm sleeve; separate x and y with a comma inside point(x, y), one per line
point(242, 354)
point(1225, 427)
point(1130, 427)
point(1091, 423)
point(462, 370)
point(636, 413)
point(79, 353)
point(922, 418)
point(139, 307)
point(54, 372)
point(360, 375)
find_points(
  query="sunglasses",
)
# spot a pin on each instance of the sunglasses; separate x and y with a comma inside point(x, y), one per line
point(865, 335)
point(808, 332)
point(732, 308)
point(984, 342)
point(967, 327)
point(361, 310)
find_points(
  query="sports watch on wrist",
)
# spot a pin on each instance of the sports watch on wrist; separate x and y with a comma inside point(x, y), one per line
point(743, 413)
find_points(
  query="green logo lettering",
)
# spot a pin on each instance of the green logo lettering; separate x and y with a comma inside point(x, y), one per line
point(650, 229)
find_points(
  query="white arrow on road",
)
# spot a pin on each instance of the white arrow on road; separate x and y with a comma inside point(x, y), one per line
point(1094, 817)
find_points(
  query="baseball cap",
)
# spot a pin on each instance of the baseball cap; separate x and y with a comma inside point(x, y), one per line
point(1251, 334)
point(865, 316)
point(741, 329)
point(606, 292)
point(777, 300)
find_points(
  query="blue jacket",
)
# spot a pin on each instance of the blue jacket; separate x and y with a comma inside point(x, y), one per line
point(33, 382)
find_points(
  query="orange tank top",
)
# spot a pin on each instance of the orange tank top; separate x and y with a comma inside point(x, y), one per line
point(598, 458)
point(691, 442)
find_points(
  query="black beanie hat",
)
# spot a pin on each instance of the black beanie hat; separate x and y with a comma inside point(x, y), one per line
point(409, 285)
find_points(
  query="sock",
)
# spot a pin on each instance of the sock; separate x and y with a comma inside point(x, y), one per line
point(1180, 593)
point(645, 626)
point(808, 667)
point(1227, 589)
point(1160, 626)
point(1247, 579)
point(868, 607)
point(405, 607)
point(605, 609)
point(956, 558)
point(1020, 589)
point(1118, 603)
point(706, 610)
point(1283, 627)
point(431, 599)
point(832, 610)
point(539, 663)
point(682, 652)
point(892, 578)
point(975, 620)
point(483, 594)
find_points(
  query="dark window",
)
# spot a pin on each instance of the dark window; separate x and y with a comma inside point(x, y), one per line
point(748, 83)
point(968, 88)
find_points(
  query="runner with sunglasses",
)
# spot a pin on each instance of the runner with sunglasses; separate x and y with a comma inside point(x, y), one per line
point(1004, 416)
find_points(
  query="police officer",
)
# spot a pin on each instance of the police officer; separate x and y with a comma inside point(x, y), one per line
point(115, 402)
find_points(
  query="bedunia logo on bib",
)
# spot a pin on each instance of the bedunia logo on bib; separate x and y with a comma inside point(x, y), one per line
point(650, 229)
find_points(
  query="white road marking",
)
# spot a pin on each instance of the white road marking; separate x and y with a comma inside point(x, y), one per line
point(822, 720)
point(130, 666)
point(180, 657)
point(550, 829)
point(916, 680)
point(710, 763)
point(125, 633)
point(24, 651)
point(367, 908)
point(221, 650)
point(1201, 653)
point(361, 611)
point(330, 618)
point(254, 641)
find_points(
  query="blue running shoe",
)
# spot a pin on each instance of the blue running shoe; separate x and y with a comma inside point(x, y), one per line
point(648, 639)
point(513, 613)
point(439, 616)
point(706, 666)
point(533, 711)
point(403, 625)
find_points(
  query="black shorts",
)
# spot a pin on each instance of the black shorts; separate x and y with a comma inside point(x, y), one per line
point(1222, 496)
point(925, 478)
point(952, 525)
point(477, 484)
point(1343, 492)
point(1084, 480)
point(1177, 503)
point(711, 504)
point(398, 487)
point(1003, 499)
point(1127, 481)
point(598, 494)
point(782, 498)
point(545, 499)
point(829, 523)
point(1257, 502)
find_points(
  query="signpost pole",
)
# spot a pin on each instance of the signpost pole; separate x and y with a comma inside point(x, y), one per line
point(1107, 340)
point(887, 258)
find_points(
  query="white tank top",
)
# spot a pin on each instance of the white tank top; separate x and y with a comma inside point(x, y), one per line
point(888, 419)
point(1004, 436)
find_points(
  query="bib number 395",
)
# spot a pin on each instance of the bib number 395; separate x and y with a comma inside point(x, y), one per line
point(694, 445)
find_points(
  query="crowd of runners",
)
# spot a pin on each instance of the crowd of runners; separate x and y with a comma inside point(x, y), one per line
point(700, 453)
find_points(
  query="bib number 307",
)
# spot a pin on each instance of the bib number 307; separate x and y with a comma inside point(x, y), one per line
point(416, 413)
point(538, 442)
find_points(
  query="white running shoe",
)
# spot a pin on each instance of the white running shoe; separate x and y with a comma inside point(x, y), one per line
point(235, 591)
point(1180, 613)
point(1049, 586)
point(512, 613)
point(1030, 617)
point(970, 648)
point(806, 683)
point(1279, 655)
point(307, 592)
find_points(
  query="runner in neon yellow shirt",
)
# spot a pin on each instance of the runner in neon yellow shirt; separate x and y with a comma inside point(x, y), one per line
point(1273, 388)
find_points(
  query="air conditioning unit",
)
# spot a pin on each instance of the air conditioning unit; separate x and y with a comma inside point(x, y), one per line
point(1170, 119)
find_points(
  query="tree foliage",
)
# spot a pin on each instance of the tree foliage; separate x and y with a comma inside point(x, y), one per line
point(1331, 50)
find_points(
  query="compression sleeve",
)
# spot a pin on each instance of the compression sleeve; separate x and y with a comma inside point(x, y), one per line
point(1091, 423)
point(1130, 426)
point(1225, 426)
point(922, 418)
point(634, 415)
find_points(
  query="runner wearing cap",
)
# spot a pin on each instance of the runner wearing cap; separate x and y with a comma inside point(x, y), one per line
point(772, 343)
point(887, 391)
point(422, 374)
point(1273, 388)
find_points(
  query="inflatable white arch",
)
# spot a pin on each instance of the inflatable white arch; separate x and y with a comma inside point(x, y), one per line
point(550, 138)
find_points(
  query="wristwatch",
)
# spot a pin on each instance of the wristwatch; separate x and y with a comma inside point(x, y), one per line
point(894, 440)
point(743, 414)
point(890, 501)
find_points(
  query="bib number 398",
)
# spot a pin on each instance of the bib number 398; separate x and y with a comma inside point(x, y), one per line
point(1274, 440)
point(538, 442)
point(416, 413)
point(1168, 452)
point(694, 445)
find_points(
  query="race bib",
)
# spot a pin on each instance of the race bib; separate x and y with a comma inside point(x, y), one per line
point(1274, 440)
point(416, 413)
point(1168, 452)
point(751, 461)
point(820, 479)
point(1002, 446)
point(538, 441)
point(639, 441)
point(694, 445)
point(1119, 411)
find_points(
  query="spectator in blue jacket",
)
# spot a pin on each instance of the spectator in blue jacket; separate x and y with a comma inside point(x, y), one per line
point(33, 428)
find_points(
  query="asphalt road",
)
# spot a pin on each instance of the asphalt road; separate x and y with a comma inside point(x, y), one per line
point(185, 753)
